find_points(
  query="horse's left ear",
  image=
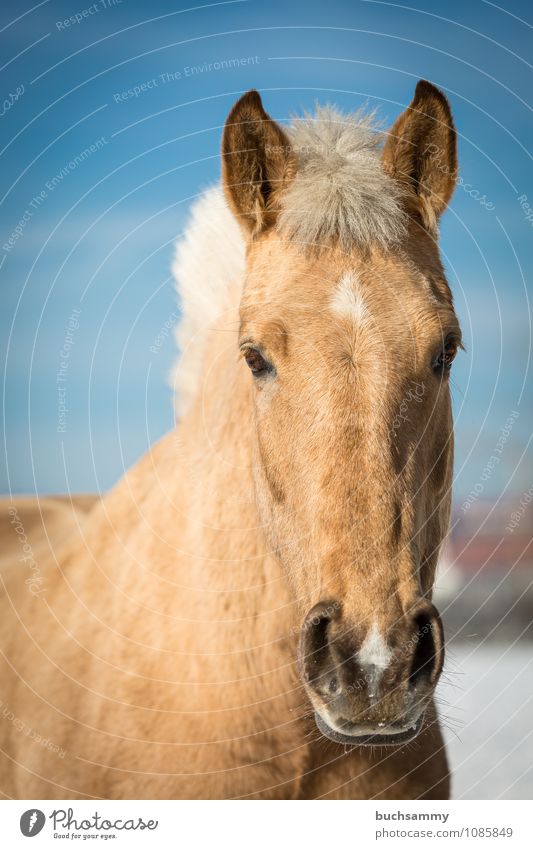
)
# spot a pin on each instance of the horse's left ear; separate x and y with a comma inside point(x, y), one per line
point(421, 152)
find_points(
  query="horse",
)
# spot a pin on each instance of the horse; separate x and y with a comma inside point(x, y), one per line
point(248, 613)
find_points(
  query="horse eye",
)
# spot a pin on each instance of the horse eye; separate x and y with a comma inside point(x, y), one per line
point(256, 362)
point(443, 363)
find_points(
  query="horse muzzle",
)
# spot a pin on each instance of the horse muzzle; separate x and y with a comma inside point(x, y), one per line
point(368, 689)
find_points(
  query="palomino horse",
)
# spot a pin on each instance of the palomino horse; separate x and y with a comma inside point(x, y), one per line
point(248, 613)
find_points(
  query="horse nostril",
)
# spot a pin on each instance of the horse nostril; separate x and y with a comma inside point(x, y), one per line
point(315, 652)
point(428, 655)
point(333, 684)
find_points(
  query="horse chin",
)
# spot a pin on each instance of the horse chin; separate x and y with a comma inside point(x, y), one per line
point(371, 736)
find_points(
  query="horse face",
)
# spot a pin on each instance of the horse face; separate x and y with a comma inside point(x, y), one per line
point(349, 343)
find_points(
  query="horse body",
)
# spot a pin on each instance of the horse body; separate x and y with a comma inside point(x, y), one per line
point(166, 674)
point(165, 655)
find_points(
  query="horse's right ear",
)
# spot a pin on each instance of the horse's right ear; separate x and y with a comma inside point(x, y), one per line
point(257, 163)
point(421, 153)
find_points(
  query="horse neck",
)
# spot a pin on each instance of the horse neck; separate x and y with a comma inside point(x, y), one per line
point(232, 563)
point(214, 441)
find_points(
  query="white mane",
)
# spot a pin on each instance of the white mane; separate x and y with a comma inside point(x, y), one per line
point(340, 192)
point(208, 269)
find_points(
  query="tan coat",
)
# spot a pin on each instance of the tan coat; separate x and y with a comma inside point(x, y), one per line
point(154, 653)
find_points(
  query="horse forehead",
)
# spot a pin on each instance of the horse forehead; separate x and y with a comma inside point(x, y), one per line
point(381, 295)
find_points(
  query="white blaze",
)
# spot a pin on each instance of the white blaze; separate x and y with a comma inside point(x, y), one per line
point(347, 300)
point(374, 652)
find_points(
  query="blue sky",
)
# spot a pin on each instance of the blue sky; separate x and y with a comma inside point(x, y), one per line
point(95, 234)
